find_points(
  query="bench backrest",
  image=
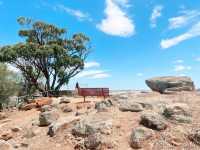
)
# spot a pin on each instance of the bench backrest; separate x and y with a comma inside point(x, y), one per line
point(93, 92)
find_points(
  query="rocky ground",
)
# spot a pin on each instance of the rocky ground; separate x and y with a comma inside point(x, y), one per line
point(127, 120)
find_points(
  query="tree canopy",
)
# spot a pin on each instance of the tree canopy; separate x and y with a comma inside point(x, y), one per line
point(46, 56)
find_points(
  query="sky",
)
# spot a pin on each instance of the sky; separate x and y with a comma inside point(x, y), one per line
point(132, 40)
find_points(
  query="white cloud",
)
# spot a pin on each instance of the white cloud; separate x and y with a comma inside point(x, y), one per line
point(178, 61)
point(76, 13)
point(198, 59)
point(93, 74)
point(179, 68)
point(92, 64)
point(117, 22)
point(157, 12)
point(140, 74)
point(123, 3)
point(101, 76)
point(191, 33)
point(186, 18)
point(182, 74)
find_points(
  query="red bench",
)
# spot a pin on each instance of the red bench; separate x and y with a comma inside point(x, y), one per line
point(101, 92)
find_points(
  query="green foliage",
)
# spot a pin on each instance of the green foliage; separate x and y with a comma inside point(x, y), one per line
point(46, 56)
point(8, 84)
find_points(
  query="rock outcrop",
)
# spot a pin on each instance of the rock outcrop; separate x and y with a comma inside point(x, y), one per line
point(170, 84)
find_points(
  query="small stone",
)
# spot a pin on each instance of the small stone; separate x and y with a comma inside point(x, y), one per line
point(6, 136)
point(3, 115)
point(15, 129)
point(139, 137)
point(146, 105)
point(64, 100)
point(29, 133)
point(92, 141)
point(24, 144)
point(46, 108)
point(78, 113)
point(66, 109)
point(46, 118)
point(105, 127)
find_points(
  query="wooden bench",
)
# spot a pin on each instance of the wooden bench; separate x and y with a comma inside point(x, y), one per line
point(99, 92)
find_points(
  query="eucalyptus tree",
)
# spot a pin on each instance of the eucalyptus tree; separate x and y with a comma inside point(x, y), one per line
point(47, 55)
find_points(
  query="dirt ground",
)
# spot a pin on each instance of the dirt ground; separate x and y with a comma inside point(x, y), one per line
point(32, 137)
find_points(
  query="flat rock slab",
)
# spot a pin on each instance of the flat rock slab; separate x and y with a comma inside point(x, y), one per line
point(130, 106)
point(170, 84)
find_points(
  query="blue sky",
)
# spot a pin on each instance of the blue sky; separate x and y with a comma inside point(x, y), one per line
point(132, 40)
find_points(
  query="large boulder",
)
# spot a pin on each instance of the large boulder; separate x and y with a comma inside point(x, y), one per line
point(170, 84)
point(153, 120)
point(140, 136)
point(48, 117)
point(179, 112)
